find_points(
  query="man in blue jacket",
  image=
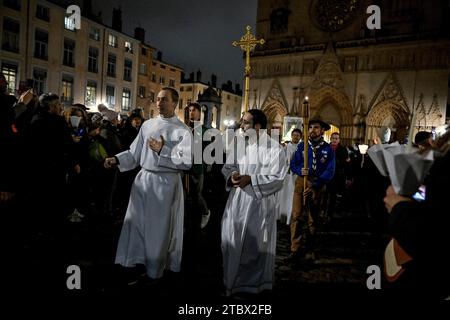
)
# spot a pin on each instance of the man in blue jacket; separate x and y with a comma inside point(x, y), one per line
point(321, 166)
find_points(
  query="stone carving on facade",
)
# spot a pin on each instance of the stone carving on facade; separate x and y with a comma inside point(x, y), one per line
point(390, 91)
point(255, 98)
point(421, 117)
point(434, 114)
point(329, 95)
point(279, 20)
point(275, 104)
point(328, 72)
point(333, 15)
point(275, 96)
point(361, 107)
point(309, 66)
point(359, 118)
point(428, 118)
point(295, 111)
point(389, 107)
point(275, 69)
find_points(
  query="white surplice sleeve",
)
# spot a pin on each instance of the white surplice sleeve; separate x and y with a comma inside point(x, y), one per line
point(271, 178)
point(130, 159)
point(227, 171)
point(177, 154)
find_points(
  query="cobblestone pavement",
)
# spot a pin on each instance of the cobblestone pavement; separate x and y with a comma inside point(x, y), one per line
point(345, 248)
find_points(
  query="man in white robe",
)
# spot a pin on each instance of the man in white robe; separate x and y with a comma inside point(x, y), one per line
point(249, 221)
point(287, 193)
point(152, 233)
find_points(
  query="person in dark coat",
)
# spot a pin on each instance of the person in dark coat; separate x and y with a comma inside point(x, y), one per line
point(8, 143)
point(374, 184)
point(129, 132)
point(421, 229)
point(336, 187)
point(197, 213)
point(51, 145)
point(113, 145)
point(77, 121)
point(131, 129)
point(9, 168)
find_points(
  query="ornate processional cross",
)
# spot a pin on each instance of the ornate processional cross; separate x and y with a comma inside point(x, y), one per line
point(247, 43)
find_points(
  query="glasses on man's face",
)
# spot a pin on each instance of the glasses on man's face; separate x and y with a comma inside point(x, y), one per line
point(245, 122)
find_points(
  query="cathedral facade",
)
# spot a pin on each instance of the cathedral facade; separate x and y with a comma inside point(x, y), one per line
point(356, 78)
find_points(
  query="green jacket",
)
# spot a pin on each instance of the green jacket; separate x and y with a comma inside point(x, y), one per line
point(199, 168)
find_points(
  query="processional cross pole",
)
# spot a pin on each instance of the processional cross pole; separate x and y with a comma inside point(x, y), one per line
point(247, 43)
point(305, 115)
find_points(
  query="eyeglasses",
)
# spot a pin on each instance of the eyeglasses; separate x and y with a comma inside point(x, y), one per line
point(245, 122)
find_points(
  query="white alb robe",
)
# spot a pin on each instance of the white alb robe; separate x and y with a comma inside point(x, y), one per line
point(152, 232)
point(287, 193)
point(249, 230)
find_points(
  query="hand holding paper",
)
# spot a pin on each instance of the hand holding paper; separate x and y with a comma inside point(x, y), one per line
point(406, 170)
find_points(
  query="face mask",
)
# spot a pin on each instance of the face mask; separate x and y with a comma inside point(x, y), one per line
point(75, 121)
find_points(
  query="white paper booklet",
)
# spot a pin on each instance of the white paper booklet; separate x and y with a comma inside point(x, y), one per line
point(406, 170)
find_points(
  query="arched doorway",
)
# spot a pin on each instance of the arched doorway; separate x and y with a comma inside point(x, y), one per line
point(390, 115)
point(329, 112)
point(275, 114)
point(334, 107)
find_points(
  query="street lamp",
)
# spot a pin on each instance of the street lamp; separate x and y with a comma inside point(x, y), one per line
point(228, 123)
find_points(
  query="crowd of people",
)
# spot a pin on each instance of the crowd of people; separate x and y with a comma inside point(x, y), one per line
point(64, 151)
point(69, 165)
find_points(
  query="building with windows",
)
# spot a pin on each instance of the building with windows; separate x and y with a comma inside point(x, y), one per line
point(160, 74)
point(41, 48)
point(358, 79)
point(225, 102)
point(153, 74)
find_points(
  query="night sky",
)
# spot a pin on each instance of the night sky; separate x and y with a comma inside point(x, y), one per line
point(192, 34)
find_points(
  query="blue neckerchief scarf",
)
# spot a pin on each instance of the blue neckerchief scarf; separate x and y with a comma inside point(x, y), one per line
point(314, 146)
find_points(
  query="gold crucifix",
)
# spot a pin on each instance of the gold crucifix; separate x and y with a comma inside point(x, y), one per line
point(247, 43)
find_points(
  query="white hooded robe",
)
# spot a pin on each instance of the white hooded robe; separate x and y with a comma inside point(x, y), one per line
point(152, 232)
point(249, 221)
point(287, 193)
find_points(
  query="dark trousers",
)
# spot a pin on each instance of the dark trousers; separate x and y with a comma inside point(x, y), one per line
point(196, 193)
point(195, 207)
